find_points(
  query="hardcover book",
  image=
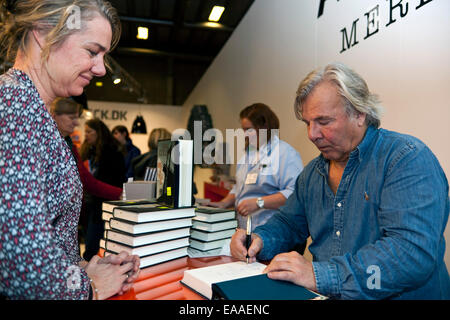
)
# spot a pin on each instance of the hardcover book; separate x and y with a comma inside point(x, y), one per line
point(145, 250)
point(208, 214)
point(139, 228)
point(201, 279)
point(175, 173)
point(211, 227)
point(261, 287)
point(109, 206)
point(160, 257)
point(146, 238)
point(211, 236)
point(152, 212)
point(206, 245)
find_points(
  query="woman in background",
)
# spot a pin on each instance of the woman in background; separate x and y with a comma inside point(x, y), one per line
point(66, 113)
point(149, 159)
point(266, 175)
point(106, 164)
point(129, 150)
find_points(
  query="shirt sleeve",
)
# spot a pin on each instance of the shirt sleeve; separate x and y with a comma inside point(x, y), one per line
point(290, 167)
point(286, 228)
point(94, 186)
point(32, 264)
point(413, 211)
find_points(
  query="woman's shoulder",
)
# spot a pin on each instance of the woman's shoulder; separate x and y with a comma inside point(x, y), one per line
point(15, 79)
point(286, 148)
point(17, 90)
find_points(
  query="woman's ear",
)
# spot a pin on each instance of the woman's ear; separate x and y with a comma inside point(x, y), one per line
point(39, 36)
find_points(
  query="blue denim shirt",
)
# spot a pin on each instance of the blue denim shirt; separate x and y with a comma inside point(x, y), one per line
point(277, 170)
point(381, 235)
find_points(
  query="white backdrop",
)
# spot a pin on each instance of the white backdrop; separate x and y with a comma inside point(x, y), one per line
point(407, 63)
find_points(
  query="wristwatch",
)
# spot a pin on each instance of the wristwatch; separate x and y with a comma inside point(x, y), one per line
point(260, 202)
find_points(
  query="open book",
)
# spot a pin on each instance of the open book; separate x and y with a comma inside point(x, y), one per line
point(226, 281)
point(201, 279)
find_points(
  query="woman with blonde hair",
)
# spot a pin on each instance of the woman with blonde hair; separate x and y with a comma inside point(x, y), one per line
point(57, 47)
point(148, 159)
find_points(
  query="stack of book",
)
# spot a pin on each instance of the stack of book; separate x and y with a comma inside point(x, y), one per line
point(211, 228)
point(154, 232)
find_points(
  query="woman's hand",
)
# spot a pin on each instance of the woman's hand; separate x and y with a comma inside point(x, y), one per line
point(219, 204)
point(108, 276)
point(123, 258)
point(247, 206)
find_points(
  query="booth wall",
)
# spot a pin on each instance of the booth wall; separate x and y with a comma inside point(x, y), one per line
point(401, 51)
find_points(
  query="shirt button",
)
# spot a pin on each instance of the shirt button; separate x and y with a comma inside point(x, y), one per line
point(338, 233)
point(339, 205)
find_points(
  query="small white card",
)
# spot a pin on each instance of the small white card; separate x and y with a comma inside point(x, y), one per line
point(251, 178)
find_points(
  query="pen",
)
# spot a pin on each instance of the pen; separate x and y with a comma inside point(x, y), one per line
point(248, 238)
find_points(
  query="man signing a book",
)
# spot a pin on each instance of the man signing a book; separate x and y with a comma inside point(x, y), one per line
point(374, 202)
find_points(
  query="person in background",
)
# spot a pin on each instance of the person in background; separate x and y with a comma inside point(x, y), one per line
point(106, 164)
point(66, 113)
point(129, 150)
point(266, 177)
point(375, 202)
point(39, 184)
point(140, 163)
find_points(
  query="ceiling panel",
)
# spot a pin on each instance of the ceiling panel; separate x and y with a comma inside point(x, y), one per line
point(179, 50)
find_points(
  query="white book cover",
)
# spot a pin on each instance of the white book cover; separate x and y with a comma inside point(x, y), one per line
point(201, 279)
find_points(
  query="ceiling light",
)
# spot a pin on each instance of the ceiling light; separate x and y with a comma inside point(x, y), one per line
point(142, 33)
point(116, 80)
point(216, 13)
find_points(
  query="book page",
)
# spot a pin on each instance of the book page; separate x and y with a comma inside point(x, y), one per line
point(227, 271)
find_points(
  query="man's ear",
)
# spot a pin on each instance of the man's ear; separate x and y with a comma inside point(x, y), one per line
point(361, 118)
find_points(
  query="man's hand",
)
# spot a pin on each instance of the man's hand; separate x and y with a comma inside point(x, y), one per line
point(238, 249)
point(247, 206)
point(293, 267)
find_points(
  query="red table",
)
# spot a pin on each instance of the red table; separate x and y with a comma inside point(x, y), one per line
point(214, 192)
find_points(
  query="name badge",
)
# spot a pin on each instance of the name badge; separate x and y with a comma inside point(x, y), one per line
point(251, 178)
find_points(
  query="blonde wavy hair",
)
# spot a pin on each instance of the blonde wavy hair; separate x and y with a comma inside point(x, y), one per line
point(19, 17)
point(351, 86)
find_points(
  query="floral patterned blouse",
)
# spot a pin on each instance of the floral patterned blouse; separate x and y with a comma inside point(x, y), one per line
point(40, 199)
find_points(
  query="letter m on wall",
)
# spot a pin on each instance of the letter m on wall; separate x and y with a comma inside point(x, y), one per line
point(348, 42)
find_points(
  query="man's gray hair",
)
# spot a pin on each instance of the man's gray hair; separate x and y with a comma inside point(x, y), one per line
point(351, 86)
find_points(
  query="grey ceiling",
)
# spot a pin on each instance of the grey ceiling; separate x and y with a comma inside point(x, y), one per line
point(165, 68)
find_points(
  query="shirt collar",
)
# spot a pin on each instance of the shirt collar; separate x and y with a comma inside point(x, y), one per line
point(359, 152)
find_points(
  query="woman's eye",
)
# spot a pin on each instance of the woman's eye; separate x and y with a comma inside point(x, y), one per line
point(92, 53)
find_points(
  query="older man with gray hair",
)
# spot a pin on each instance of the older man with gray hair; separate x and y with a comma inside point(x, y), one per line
point(374, 202)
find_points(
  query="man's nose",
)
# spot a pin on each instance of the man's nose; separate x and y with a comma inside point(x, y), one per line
point(313, 132)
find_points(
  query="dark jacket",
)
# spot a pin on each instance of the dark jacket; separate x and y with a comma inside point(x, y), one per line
point(111, 170)
point(140, 163)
